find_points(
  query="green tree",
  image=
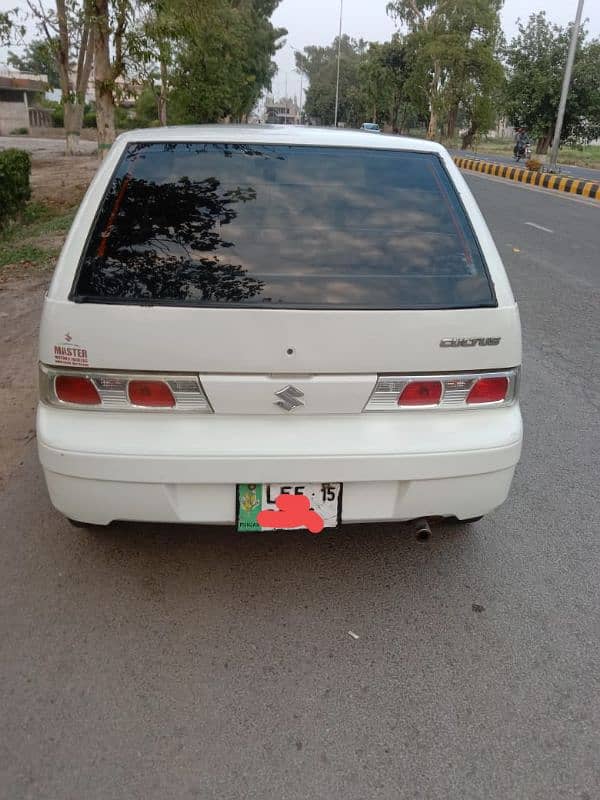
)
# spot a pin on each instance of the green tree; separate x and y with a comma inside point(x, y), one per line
point(536, 59)
point(394, 56)
point(375, 82)
point(383, 76)
point(223, 58)
point(152, 43)
point(39, 57)
point(426, 21)
point(5, 27)
point(11, 30)
point(452, 48)
point(69, 35)
point(146, 108)
point(472, 63)
point(112, 21)
point(319, 64)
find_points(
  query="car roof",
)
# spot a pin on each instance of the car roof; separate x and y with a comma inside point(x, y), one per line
point(278, 134)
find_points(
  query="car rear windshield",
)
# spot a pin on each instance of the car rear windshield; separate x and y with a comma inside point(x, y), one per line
point(281, 226)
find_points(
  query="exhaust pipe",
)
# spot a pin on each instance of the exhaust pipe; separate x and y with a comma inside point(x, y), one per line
point(422, 529)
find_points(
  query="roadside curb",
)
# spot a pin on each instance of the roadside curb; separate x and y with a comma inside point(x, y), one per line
point(559, 183)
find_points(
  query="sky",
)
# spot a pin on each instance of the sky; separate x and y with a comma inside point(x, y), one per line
point(316, 22)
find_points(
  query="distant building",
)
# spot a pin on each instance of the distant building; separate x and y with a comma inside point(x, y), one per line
point(282, 113)
point(503, 130)
point(126, 91)
point(18, 96)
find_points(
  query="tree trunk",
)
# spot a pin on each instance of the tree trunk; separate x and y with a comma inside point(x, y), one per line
point(402, 118)
point(71, 45)
point(543, 143)
point(105, 103)
point(451, 121)
point(432, 128)
point(467, 139)
point(73, 112)
point(161, 102)
point(433, 125)
point(395, 112)
point(72, 130)
point(162, 97)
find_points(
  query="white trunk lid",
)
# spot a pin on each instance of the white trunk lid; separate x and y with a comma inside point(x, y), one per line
point(245, 356)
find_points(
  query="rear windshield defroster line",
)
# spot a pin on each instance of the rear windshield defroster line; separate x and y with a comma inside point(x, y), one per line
point(274, 226)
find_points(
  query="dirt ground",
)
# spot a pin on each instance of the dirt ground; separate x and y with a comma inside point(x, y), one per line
point(61, 182)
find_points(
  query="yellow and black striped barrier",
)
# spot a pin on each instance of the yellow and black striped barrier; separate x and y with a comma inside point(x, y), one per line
point(558, 182)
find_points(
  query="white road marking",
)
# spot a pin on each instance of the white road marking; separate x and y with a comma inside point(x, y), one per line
point(539, 227)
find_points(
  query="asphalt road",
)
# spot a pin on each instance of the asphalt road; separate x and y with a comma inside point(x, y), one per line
point(585, 173)
point(178, 662)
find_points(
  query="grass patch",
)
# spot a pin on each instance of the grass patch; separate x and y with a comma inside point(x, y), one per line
point(587, 156)
point(17, 253)
point(40, 219)
point(33, 242)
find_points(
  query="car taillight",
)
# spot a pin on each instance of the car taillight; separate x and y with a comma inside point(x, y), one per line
point(421, 393)
point(488, 390)
point(152, 394)
point(444, 392)
point(119, 391)
point(78, 390)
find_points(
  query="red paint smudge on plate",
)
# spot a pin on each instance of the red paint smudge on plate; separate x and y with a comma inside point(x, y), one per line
point(294, 512)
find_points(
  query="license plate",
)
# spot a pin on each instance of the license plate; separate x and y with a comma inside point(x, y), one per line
point(324, 499)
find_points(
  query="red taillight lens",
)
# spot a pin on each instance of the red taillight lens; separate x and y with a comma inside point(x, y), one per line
point(488, 390)
point(421, 393)
point(154, 394)
point(73, 389)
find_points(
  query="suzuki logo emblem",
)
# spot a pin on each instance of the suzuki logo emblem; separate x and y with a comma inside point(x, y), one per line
point(289, 398)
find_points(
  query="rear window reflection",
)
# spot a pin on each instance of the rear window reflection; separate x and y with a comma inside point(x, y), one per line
point(282, 226)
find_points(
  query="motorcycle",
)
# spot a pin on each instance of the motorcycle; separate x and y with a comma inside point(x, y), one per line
point(522, 150)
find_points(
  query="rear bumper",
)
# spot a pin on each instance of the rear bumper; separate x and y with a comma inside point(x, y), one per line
point(101, 467)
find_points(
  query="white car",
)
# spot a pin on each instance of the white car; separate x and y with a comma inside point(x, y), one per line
point(371, 127)
point(244, 313)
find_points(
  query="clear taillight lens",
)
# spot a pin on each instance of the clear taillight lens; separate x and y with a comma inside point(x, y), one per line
point(118, 391)
point(469, 390)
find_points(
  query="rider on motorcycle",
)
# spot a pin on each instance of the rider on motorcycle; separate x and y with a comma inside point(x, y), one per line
point(521, 143)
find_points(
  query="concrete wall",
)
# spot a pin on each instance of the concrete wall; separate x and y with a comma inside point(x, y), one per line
point(12, 116)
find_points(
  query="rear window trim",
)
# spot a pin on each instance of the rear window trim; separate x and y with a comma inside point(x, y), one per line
point(140, 303)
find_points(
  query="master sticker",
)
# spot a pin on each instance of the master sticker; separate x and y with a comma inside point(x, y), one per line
point(69, 354)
